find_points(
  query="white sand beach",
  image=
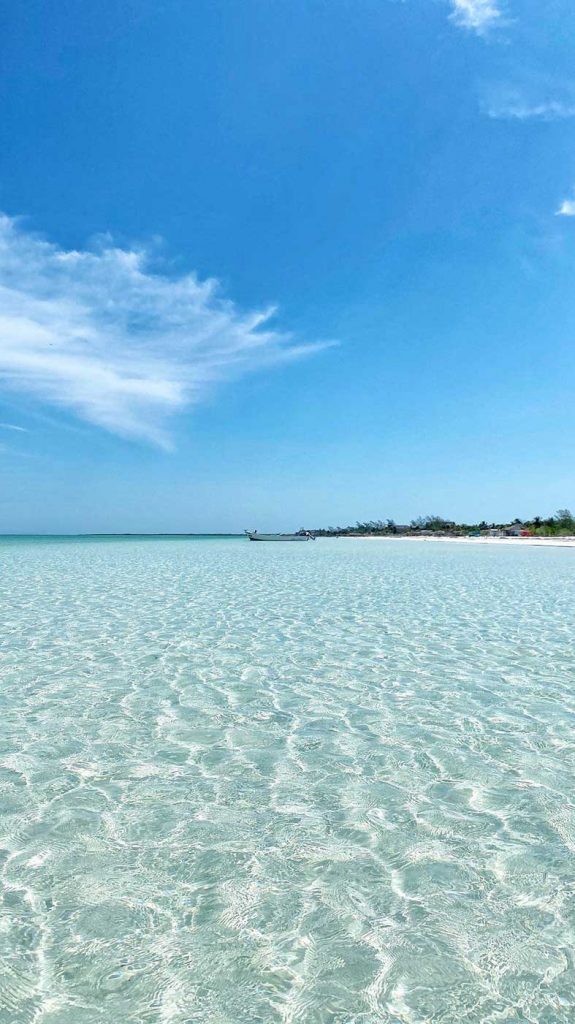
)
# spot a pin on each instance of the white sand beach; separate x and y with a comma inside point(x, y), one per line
point(517, 542)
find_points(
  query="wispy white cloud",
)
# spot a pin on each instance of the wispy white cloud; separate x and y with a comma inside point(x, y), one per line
point(477, 15)
point(98, 333)
point(566, 209)
point(530, 95)
point(12, 426)
point(513, 107)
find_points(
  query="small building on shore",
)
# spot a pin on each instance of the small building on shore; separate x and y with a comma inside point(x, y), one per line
point(517, 530)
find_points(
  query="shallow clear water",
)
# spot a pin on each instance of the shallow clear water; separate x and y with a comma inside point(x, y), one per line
point(327, 782)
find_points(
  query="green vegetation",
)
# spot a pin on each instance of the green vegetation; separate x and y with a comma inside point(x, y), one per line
point(562, 524)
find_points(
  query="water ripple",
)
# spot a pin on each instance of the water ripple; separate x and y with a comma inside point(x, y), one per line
point(328, 784)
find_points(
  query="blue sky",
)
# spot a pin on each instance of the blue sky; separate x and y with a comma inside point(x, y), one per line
point(275, 263)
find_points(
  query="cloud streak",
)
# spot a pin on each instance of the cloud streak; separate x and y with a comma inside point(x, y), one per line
point(514, 108)
point(477, 15)
point(100, 335)
point(530, 96)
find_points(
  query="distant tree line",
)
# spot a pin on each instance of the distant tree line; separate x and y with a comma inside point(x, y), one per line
point(560, 525)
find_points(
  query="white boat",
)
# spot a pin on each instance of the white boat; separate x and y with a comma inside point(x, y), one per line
point(301, 535)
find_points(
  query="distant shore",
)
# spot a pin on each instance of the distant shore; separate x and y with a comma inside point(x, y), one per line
point(517, 542)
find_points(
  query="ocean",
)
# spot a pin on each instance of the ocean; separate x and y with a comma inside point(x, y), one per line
point(247, 783)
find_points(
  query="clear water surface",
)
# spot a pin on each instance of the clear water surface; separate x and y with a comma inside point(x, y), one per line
point(327, 782)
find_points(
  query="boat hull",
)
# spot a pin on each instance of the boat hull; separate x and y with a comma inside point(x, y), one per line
point(277, 536)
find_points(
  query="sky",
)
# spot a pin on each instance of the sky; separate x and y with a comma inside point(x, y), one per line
point(273, 263)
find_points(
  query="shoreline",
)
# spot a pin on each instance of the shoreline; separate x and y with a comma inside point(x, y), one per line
point(535, 542)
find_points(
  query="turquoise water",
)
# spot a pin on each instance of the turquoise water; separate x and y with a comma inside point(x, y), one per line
point(327, 782)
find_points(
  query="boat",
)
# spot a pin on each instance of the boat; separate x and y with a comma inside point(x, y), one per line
point(300, 535)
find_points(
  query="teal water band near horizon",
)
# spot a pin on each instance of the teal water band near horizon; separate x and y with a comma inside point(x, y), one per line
point(316, 783)
point(114, 537)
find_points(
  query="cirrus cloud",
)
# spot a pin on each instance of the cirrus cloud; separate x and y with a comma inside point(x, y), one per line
point(517, 110)
point(97, 333)
point(12, 426)
point(536, 98)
